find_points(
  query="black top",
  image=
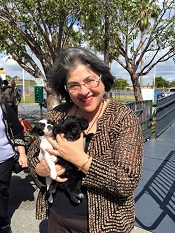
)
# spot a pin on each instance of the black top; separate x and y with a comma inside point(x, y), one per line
point(68, 209)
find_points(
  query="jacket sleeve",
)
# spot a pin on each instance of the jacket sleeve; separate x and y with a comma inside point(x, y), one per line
point(15, 126)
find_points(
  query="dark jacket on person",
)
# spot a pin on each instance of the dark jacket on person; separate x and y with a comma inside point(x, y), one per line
point(12, 126)
point(160, 95)
point(114, 173)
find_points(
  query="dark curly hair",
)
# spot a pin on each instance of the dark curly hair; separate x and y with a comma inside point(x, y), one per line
point(69, 59)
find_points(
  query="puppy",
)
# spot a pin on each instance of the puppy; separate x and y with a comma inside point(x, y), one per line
point(44, 129)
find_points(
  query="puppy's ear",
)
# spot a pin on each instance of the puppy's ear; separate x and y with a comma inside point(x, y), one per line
point(83, 123)
point(56, 129)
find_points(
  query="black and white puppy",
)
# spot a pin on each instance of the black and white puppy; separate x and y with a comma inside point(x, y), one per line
point(71, 127)
point(44, 129)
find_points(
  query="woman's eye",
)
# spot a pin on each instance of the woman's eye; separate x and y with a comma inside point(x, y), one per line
point(73, 86)
point(90, 80)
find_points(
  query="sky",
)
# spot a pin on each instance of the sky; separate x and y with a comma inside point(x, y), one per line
point(165, 69)
point(12, 69)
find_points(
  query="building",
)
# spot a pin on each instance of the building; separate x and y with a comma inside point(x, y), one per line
point(2, 73)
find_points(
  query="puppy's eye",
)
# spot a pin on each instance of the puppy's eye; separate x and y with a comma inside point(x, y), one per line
point(49, 127)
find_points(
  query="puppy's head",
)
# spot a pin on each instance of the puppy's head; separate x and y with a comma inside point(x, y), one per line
point(43, 128)
point(72, 127)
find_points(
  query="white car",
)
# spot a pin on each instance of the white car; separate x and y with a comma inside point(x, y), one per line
point(170, 91)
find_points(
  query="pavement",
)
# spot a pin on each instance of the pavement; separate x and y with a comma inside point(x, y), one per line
point(154, 197)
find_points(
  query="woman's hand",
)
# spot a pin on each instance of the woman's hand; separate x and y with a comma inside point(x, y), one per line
point(68, 150)
point(43, 170)
point(22, 156)
point(22, 160)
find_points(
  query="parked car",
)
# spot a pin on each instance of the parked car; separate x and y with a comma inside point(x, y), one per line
point(170, 91)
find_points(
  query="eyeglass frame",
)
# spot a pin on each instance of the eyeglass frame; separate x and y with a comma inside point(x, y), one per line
point(79, 85)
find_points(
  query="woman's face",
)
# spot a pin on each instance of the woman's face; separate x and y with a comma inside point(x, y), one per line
point(87, 98)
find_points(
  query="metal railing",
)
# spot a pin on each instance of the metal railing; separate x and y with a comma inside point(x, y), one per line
point(164, 114)
point(143, 109)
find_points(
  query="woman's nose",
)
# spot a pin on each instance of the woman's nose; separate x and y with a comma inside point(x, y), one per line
point(84, 89)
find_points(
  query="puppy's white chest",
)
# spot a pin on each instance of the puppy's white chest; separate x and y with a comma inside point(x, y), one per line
point(43, 153)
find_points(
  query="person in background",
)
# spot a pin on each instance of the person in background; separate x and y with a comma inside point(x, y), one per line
point(5, 85)
point(17, 94)
point(110, 170)
point(9, 123)
point(161, 94)
point(8, 95)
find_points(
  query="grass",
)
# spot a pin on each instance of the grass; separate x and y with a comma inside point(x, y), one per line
point(28, 99)
point(124, 98)
point(153, 131)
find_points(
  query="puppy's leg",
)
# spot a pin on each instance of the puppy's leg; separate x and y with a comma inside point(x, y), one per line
point(51, 164)
point(40, 156)
point(50, 190)
point(48, 182)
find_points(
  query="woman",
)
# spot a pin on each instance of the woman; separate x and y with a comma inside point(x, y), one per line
point(9, 123)
point(111, 168)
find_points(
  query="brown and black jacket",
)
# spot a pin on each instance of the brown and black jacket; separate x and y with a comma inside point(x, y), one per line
point(115, 171)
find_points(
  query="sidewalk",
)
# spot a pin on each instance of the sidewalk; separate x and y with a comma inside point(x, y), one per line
point(154, 197)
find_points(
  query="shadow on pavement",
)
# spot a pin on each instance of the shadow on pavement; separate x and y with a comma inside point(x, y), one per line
point(159, 192)
point(21, 190)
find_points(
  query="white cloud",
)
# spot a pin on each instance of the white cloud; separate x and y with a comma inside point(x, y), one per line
point(165, 69)
point(12, 68)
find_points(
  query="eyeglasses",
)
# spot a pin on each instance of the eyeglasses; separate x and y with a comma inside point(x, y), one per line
point(91, 82)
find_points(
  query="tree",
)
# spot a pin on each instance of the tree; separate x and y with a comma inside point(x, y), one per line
point(15, 78)
point(129, 41)
point(120, 84)
point(34, 32)
point(144, 24)
point(160, 82)
point(8, 78)
point(172, 84)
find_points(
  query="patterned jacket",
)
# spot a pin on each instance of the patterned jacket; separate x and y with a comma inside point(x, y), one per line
point(8, 95)
point(115, 171)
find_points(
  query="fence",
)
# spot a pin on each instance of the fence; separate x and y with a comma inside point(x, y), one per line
point(164, 114)
point(143, 109)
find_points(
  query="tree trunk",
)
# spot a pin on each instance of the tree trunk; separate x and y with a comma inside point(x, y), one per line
point(136, 87)
point(52, 98)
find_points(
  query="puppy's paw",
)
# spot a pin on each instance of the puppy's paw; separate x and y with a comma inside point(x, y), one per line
point(50, 199)
point(80, 196)
point(53, 158)
point(75, 200)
